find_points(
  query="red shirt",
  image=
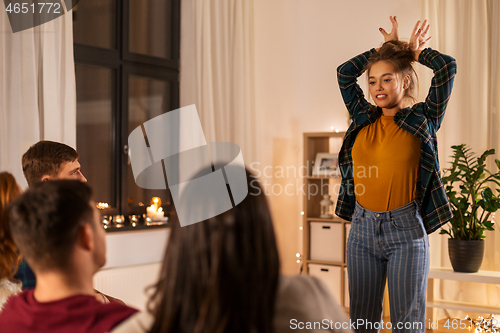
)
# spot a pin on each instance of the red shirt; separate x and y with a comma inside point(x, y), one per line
point(75, 314)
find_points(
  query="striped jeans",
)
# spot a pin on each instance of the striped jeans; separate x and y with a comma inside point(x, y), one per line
point(392, 245)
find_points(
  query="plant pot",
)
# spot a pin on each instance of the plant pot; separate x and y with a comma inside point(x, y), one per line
point(466, 255)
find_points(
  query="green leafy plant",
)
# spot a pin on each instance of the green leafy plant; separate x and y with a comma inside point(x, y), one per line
point(474, 202)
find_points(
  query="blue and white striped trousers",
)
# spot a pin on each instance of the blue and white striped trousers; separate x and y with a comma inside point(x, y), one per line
point(392, 245)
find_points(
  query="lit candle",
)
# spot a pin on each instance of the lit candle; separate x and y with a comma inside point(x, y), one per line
point(151, 211)
point(156, 202)
point(160, 214)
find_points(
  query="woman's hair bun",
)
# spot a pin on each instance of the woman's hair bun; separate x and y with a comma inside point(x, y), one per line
point(396, 49)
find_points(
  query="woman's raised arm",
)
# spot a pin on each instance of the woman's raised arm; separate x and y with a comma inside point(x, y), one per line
point(444, 68)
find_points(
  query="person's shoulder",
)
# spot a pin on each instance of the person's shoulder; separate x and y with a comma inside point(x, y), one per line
point(14, 311)
point(302, 285)
point(8, 288)
point(117, 308)
point(138, 323)
point(13, 296)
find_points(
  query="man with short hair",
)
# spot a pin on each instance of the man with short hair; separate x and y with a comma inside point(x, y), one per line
point(57, 227)
point(47, 160)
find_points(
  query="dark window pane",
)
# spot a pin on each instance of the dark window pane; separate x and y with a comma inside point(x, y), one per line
point(94, 23)
point(148, 98)
point(150, 30)
point(94, 91)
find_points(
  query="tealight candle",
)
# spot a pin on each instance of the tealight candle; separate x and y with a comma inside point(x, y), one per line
point(151, 211)
point(160, 214)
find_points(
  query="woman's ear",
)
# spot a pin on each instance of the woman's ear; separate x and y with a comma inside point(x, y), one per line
point(406, 82)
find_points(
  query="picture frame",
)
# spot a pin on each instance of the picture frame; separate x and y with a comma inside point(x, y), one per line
point(326, 165)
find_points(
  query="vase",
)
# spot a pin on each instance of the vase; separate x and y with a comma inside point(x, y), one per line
point(466, 255)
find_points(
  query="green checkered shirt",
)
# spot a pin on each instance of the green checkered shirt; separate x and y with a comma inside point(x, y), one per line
point(422, 120)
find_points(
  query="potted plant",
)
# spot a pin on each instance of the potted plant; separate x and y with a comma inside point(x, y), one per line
point(473, 202)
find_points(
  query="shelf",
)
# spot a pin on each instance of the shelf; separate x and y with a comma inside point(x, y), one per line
point(491, 277)
point(321, 262)
point(462, 306)
point(318, 219)
point(317, 186)
point(137, 227)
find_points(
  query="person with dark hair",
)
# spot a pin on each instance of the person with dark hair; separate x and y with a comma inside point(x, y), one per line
point(47, 160)
point(222, 275)
point(9, 256)
point(391, 187)
point(57, 228)
point(43, 161)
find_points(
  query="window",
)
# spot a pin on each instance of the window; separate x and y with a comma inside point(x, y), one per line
point(127, 70)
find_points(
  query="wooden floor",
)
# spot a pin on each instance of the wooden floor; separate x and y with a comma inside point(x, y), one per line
point(440, 327)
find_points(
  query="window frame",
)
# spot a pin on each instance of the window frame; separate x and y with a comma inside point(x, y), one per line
point(123, 64)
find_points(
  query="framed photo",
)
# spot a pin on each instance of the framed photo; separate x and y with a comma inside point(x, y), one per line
point(326, 165)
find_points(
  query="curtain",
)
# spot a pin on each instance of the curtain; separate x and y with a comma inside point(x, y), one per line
point(217, 71)
point(37, 89)
point(469, 31)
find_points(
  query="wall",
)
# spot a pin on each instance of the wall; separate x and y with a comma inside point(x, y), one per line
point(134, 260)
point(298, 46)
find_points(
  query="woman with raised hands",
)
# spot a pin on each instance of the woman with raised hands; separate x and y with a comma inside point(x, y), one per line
point(391, 188)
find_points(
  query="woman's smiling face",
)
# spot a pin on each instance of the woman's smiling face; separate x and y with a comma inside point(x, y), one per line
point(387, 87)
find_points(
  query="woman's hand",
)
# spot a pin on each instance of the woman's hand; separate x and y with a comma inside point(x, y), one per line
point(393, 35)
point(418, 41)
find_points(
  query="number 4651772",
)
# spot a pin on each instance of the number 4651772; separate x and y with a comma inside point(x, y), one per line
point(41, 7)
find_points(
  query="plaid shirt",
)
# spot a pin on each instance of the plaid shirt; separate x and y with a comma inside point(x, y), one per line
point(26, 275)
point(422, 120)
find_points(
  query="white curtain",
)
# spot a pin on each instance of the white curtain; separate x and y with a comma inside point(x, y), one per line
point(37, 89)
point(470, 32)
point(217, 74)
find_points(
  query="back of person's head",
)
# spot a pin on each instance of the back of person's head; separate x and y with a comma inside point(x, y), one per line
point(9, 191)
point(46, 219)
point(221, 274)
point(46, 158)
point(400, 56)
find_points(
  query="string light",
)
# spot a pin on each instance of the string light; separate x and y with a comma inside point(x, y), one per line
point(102, 205)
point(299, 257)
point(302, 213)
point(489, 325)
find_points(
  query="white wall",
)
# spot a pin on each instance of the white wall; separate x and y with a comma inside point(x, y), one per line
point(299, 44)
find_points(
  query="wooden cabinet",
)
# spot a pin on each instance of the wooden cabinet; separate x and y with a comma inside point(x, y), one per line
point(324, 239)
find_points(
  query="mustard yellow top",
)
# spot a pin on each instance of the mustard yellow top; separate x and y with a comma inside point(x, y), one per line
point(386, 161)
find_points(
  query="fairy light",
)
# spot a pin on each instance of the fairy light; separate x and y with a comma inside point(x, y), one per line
point(102, 205)
point(486, 325)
